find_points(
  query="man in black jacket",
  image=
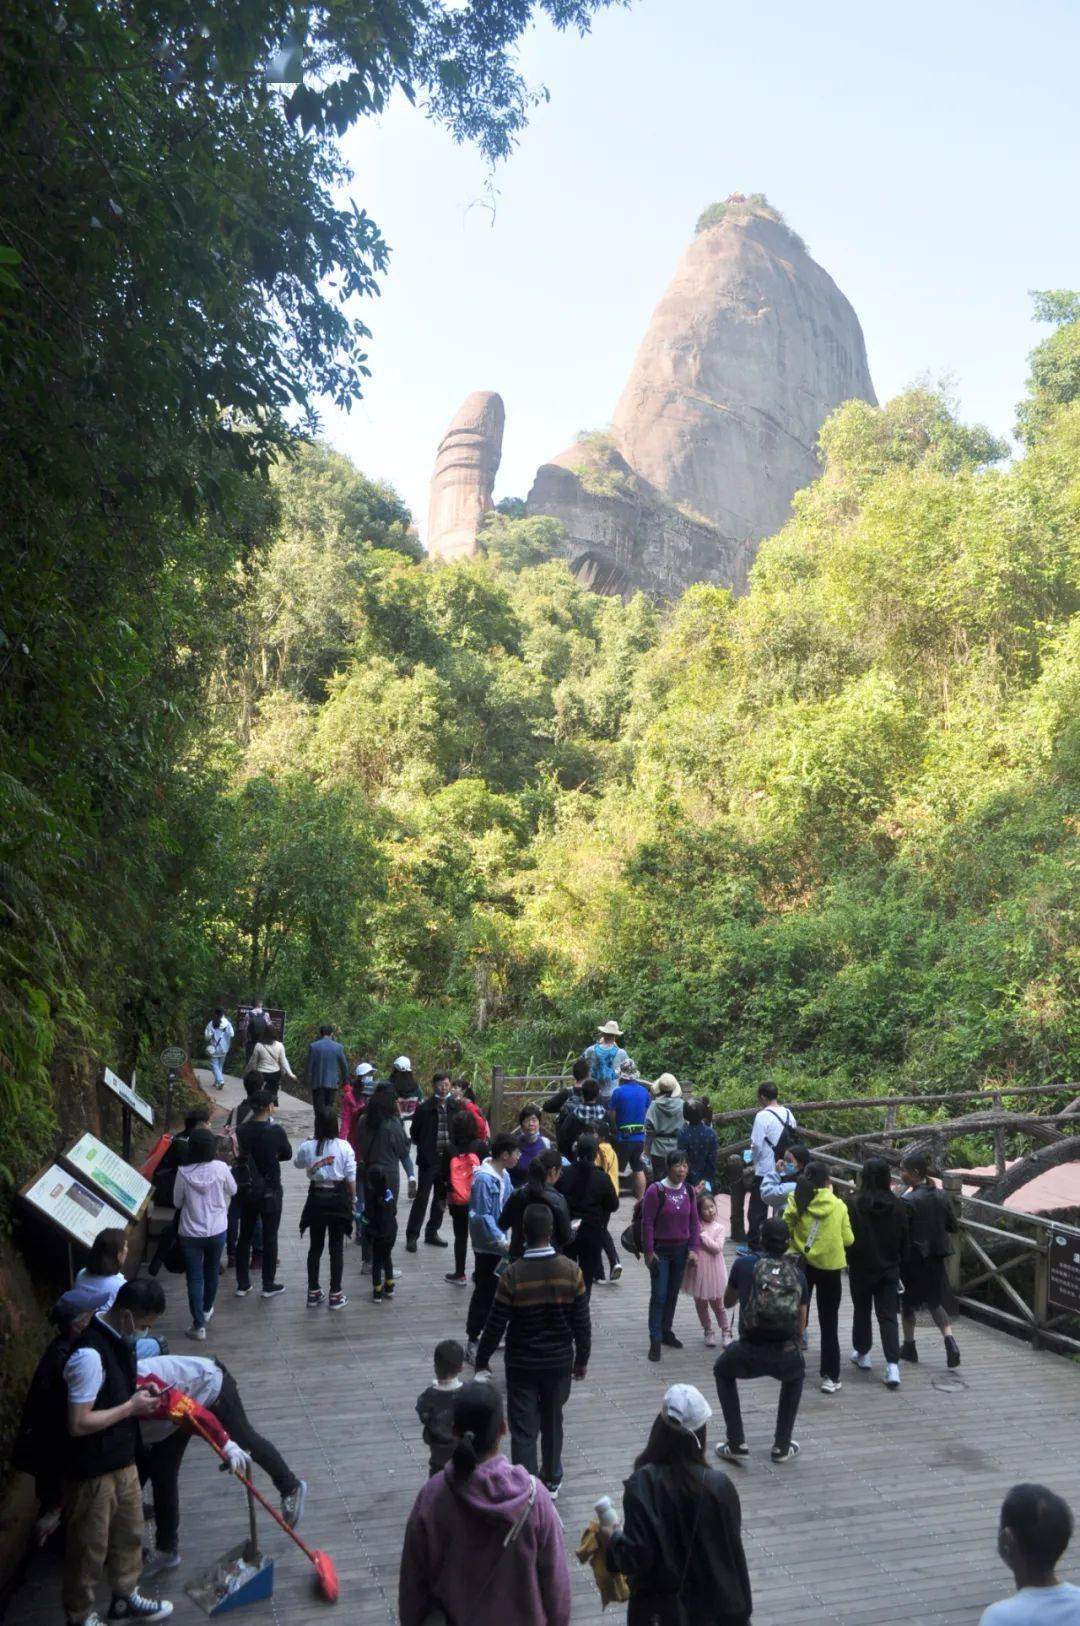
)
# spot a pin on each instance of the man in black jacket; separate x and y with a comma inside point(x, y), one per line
point(264, 1147)
point(429, 1131)
point(541, 1305)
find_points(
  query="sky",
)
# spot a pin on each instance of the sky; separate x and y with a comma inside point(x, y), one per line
point(929, 155)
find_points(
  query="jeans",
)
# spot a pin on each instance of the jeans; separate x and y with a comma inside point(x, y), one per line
point(459, 1219)
point(534, 1407)
point(228, 1408)
point(829, 1287)
point(202, 1265)
point(757, 1213)
point(483, 1294)
point(217, 1067)
point(784, 1362)
point(269, 1211)
point(883, 1292)
point(429, 1183)
point(318, 1231)
point(667, 1278)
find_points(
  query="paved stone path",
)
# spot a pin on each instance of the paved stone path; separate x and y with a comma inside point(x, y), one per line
point(888, 1515)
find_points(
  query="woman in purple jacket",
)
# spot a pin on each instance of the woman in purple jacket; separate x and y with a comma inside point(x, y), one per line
point(483, 1542)
point(670, 1233)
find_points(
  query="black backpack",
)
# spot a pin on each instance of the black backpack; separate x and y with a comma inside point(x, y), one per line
point(631, 1237)
point(787, 1137)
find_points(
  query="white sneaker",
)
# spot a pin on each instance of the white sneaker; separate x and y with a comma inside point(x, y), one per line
point(208, 1315)
point(830, 1387)
point(198, 1333)
point(892, 1376)
point(710, 1340)
point(863, 1362)
point(616, 1270)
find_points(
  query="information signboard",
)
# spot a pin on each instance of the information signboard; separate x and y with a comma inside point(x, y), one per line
point(173, 1057)
point(79, 1212)
point(128, 1096)
point(108, 1174)
point(1064, 1284)
point(276, 1019)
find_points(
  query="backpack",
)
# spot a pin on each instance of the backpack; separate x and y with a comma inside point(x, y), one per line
point(775, 1298)
point(787, 1137)
point(603, 1065)
point(631, 1237)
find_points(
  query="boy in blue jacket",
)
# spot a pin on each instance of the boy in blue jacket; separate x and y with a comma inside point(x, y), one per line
point(490, 1190)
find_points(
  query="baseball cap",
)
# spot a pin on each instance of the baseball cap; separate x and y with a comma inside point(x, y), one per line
point(685, 1407)
point(81, 1299)
point(403, 1064)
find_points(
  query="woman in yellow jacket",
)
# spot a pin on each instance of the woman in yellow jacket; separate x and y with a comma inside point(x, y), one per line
point(607, 1161)
point(821, 1234)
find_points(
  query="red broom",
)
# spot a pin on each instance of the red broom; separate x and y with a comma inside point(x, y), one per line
point(325, 1573)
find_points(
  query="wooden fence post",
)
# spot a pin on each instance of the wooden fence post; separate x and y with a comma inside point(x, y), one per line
point(952, 1185)
point(498, 1084)
point(738, 1197)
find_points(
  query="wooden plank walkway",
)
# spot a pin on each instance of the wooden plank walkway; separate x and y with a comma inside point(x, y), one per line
point(889, 1513)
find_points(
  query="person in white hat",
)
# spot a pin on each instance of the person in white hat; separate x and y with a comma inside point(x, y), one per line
point(403, 1082)
point(680, 1541)
point(605, 1057)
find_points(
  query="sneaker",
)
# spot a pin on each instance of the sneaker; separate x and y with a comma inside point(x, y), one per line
point(727, 1337)
point(892, 1375)
point(411, 1245)
point(458, 1281)
point(292, 1505)
point(376, 1295)
point(92, 1619)
point(654, 1351)
point(470, 1351)
point(198, 1333)
point(732, 1453)
point(136, 1607)
point(338, 1301)
point(671, 1341)
point(158, 1563)
point(553, 1488)
point(779, 1455)
point(315, 1298)
point(863, 1362)
point(830, 1386)
point(435, 1241)
point(616, 1270)
point(388, 1288)
point(952, 1352)
point(242, 1292)
point(710, 1340)
point(273, 1290)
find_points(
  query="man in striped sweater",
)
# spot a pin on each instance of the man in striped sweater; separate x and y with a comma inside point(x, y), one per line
point(540, 1304)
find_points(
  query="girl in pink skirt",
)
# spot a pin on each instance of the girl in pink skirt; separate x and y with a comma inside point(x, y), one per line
point(706, 1276)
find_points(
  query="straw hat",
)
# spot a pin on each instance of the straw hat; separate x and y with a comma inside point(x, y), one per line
point(610, 1030)
point(668, 1084)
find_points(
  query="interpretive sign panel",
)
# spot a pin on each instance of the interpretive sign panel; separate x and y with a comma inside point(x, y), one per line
point(243, 1012)
point(1064, 1293)
point(79, 1212)
point(116, 1180)
point(128, 1096)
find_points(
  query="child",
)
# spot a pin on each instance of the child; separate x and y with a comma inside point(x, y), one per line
point(464, 1162)
point(706, 1277)
point(380, 1229)
point(435, 1407)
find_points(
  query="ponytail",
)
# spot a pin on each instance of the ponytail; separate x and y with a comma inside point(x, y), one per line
point(541, 1166)
point(811, 1181)
point(478, 1423)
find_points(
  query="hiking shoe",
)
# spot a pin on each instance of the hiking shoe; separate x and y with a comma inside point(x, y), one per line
point(458, 1281)
point(732, 1453)
point(242, 1292)
point(435, 1241)
point(338, 1301)
point(863, 1362)
point(158, 1563)
point(411, 1244)
point(616, 1270)
point(315, 1298)
point(830, 1386)
point(273, 1290)
point(710, 1340)
point(671, 1341)
point(292, 1505)
point(952, 1352)
point(198, 1333)
point(908, 1352)
point(654, 1351)
point(470, 1351)
point(136, 1607)
point(778, 1454)
point(891, 1379)
point(388, 1288)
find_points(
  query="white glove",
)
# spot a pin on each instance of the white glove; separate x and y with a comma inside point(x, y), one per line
point(46, 1525)
point(238, 1460)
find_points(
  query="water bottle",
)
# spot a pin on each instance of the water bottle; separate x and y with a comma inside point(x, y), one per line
point(606, 1514)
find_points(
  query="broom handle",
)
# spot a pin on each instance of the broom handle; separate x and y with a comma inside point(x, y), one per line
point(259, 1497)
point(254, 1540)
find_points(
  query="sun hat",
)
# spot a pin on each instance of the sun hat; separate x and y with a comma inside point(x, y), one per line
point(82, 1299)
point(685, 1408)
point(628, 1068)
point(610, 1030)
point(403, 1064)
point(668, 1084)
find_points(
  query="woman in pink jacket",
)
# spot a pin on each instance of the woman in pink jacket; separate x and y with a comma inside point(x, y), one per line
point(483, 1541)
point(201, 1192)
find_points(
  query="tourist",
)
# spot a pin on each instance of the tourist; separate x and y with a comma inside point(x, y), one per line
point(352, 1105)
point(1035, 1529)
point(404, 1084)
point(629, 1103)
point(103, 1271)
point(218, 1036)
point(607, 1162)
point(174, 1155)
point(464, 1162)
point(605, 1057)
point(663, 1121)
point(331, 1203)
point(670, 1233)
point(429, 1132)
point(490, 1192)
point(773, 1132)
point(697, 1138)
point(592, 1201)
point(706, 1273)
point(269, 1060)
point(483, 1543)
point(770, 1289)
point(879, 1222)
point(778, 1186)
point(102, 1499)
point(380, 1227)
point(435, 1407)
point(541, 1187)
point(680, 1541)
point(263, 1147)
point(820, 1230)
point(567, 1127)
point(202, 1192)
point(381, 1139)
point(326, 1068)
point(462, 1096)
point(531, 1141)
point(923, 1269)
point(541, 1304)
point(259, 1026)
point(582, 1114)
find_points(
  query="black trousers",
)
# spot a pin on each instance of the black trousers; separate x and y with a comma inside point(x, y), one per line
point(319, 1230)
point(483, 1293)
point(228, 1408)
point(883, 1293)
point(743, 1360)
point(459, 1219)
point(429, 1183)
point(757, 1213)
point(588, 1249)
point(269, 1211)
point(534, 1408)
point(828, 1287)
point(323, 1096)
point(382, 1259)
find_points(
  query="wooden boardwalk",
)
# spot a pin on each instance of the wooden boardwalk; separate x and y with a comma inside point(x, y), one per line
point(889, 1514)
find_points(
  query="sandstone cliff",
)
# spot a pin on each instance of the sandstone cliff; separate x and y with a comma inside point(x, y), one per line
point(465, 468)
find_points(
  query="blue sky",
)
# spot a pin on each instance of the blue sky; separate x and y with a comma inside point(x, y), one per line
point(929, 155)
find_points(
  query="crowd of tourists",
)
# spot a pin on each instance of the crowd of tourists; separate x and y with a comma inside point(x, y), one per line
point(111, 1410)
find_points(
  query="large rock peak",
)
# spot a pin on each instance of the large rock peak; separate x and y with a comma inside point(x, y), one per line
point(465, 468)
